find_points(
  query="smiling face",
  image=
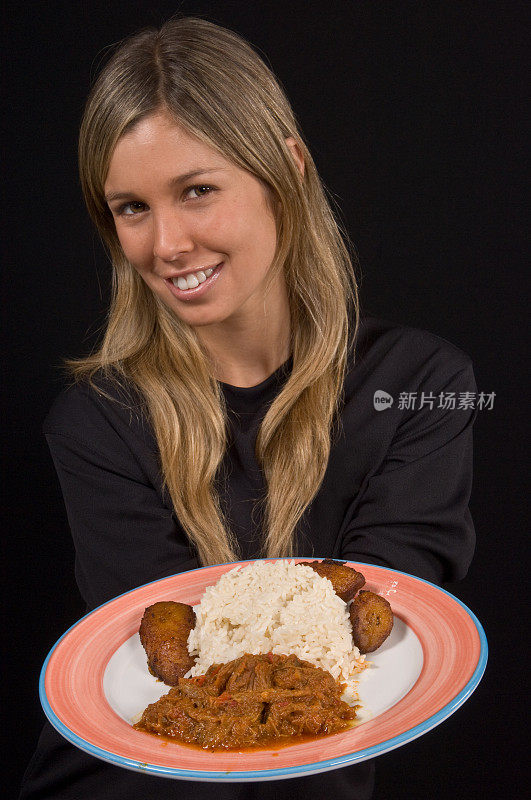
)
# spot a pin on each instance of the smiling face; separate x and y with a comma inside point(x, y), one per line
point(197, 228)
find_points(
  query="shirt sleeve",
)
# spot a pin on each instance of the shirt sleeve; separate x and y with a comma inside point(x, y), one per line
point(124, 533)
point(412, 514)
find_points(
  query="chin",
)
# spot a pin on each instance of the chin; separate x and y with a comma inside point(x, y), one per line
point(201, 318)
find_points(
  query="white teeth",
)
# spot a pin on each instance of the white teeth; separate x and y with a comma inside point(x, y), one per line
point(193, 279)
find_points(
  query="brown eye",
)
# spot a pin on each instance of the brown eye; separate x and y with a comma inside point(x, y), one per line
point(200, 191)
point(131, 209)
point(136, 207)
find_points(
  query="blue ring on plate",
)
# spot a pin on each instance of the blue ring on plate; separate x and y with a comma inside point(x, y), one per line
point(286, 772)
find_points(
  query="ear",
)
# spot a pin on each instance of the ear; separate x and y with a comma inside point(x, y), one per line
point(296, 152)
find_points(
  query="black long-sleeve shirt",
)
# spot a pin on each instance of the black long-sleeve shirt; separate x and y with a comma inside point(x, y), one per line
point(395, 493)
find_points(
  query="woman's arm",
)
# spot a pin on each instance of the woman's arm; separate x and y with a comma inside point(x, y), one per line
point(412, 514)
point(124, 531)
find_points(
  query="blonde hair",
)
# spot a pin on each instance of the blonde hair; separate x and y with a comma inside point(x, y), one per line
point(219, 90)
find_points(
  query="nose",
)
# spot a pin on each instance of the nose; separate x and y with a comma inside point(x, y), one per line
point(171, 236)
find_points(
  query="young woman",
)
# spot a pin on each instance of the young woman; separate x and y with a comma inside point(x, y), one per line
point(232, 410)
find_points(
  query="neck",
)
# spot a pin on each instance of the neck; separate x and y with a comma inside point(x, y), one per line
point(245, 354)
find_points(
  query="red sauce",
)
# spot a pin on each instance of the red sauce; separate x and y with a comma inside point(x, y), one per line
point(271, 745)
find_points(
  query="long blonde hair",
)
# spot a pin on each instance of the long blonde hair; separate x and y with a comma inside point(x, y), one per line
point(217, 87)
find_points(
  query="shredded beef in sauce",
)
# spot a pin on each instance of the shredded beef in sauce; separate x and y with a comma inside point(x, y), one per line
point(253, 700)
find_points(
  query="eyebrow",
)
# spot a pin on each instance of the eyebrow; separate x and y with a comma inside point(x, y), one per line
point(172, 182)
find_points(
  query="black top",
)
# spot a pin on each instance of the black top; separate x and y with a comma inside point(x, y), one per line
point(395, 493)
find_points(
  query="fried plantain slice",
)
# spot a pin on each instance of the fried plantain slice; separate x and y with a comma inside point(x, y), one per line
point(371, 617)
point(164, 632)
point(345, 580)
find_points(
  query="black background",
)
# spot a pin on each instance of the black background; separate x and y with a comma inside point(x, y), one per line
point(413, 114)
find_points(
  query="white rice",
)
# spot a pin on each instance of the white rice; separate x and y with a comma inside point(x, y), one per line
point(277, 607)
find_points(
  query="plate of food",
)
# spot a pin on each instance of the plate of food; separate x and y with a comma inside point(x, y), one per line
point(262, 670)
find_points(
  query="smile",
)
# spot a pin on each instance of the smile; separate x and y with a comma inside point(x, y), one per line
point(194, 283)
point(193, 279)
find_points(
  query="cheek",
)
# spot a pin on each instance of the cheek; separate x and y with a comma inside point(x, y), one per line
point(245, 228)
point(262, 237)
point(135, 244)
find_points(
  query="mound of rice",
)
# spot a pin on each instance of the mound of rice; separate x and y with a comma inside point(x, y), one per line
point(277, 607)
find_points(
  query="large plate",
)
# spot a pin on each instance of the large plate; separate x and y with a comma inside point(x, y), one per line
point(94, 683)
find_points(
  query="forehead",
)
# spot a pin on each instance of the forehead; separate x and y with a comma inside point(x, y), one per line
point(156, 146)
